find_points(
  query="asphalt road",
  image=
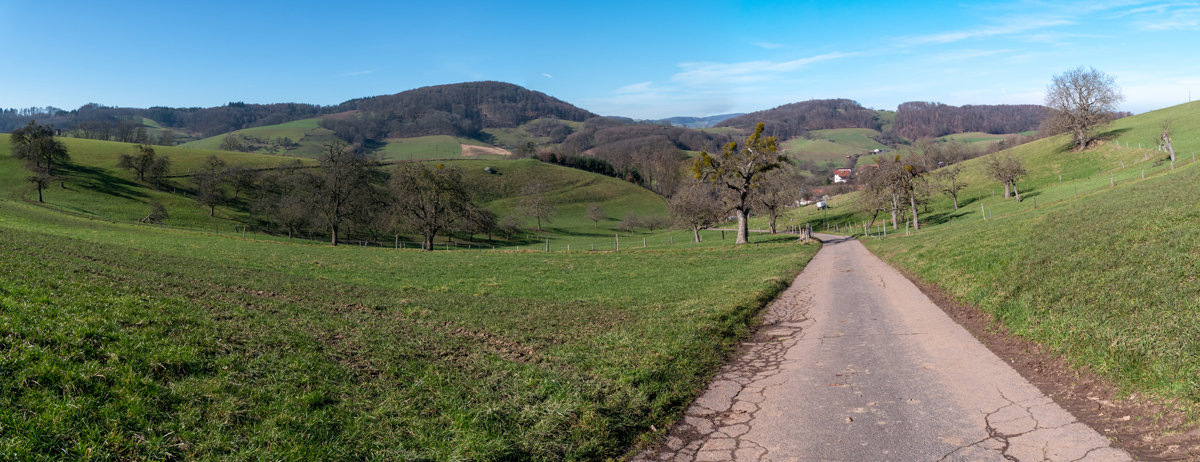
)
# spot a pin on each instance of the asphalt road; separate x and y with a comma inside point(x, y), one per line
point(855, 363)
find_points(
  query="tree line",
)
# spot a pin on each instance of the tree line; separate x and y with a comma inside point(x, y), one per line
point(796, 119)
point(920, 119)
point(96, 121)
point(459, 110)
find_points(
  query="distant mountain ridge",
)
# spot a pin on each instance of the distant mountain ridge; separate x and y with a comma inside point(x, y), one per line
point(700, 122)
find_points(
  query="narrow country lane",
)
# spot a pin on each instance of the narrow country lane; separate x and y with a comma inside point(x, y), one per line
point(855, 363)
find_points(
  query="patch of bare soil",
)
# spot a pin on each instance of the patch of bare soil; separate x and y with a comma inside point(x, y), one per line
point(470, 150)
point(1143, 428)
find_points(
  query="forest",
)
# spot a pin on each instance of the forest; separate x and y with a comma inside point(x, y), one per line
point(97, 121)
point(795, 119)
point(459, 109)
point(920, 119)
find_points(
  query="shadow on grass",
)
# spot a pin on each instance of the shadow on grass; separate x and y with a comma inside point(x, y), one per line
point(101, 181)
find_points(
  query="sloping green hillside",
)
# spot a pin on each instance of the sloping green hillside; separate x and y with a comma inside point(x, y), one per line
point(93, 186)
point(1103, 271)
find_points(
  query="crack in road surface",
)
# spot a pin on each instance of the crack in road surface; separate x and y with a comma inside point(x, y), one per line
point(853, 362)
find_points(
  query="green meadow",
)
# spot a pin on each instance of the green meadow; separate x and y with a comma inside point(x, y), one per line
point(132, 342)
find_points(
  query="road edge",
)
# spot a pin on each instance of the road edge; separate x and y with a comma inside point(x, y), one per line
point(1139, 426)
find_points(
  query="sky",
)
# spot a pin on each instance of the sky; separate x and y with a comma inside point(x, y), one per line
point(640, 59)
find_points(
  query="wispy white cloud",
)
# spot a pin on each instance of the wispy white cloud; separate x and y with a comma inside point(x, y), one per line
point(1014, 25)
point(548, 76)
point(634, 88)
point(704, 74)
point(358, 73)
point(769, 45)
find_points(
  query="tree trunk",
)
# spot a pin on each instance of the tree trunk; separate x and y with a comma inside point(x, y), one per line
point(1006, 193)
point(743, 230)
point(955, 197)
point(696, 233)
point(1170, 149)
point(773, 216)
point(913, 201)
point(428, 244)
point(212, 210)
point(895, 208)
point(1017, 193)
point(539, 221)
point(333, 239)
point(39, 193)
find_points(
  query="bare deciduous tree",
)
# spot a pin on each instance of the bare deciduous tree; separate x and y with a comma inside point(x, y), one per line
point(740, 170)
point(946, 181)
point(1165, 138)
point(595, 213)
point(697, 206)
point(1080, 101)
point(344, 189)
point(427, 200)
point(536, 204)
point(1005, 168)
point(781, 189)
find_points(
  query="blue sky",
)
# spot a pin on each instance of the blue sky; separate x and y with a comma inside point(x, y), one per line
point(636, 59)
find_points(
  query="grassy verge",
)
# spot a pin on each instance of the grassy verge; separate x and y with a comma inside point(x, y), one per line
point(124, 343)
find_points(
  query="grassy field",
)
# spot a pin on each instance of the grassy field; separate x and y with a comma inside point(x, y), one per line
point(859, 138)
point(296, 130)
point(428, 147)
point(1104, 271)
point(95, 187)
point(124, 342)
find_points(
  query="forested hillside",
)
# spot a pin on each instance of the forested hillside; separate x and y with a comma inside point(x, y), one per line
point(460, 110)
point(796, 119)
point(96, 121)
point(920, 119)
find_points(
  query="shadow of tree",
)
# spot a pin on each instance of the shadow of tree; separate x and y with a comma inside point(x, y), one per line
point(99, 180)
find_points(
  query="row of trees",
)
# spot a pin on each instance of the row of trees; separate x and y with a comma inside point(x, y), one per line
point(349, 192)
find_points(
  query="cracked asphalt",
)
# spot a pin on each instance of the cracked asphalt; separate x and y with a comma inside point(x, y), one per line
point(855, 363)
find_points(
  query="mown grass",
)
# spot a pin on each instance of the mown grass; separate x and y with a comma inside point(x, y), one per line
point(1103, 271)
point(124, 343)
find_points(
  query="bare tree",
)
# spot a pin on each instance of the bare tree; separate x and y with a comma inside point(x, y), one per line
point(1005, 168)
point(140, 161)
point(1165, 138)
point(740, 170)
point(535, 203)
point(1080, 101)
point(629, 223)
point(946, 181)
point(595, 213)
point(781, 189)
point(696, 206)
point(344, 189)
point(35, 144)
point(427, 200)
point(210, 184)
point(231, 142)
point(508, 225)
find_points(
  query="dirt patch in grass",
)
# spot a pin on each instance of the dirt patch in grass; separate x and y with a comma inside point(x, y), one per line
point(471, 151)
point(1135, 424)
